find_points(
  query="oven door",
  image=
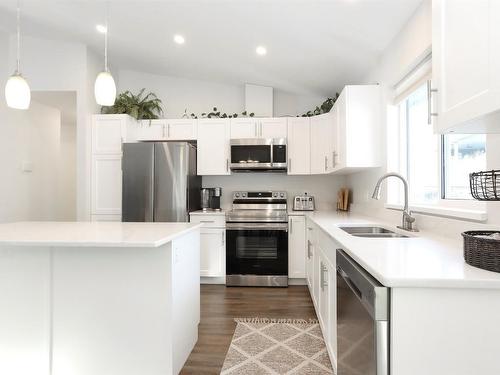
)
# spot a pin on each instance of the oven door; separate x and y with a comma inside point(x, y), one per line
point(257, 254)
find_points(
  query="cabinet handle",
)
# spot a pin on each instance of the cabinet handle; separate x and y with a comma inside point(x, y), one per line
point(324, 270)
point(291, 226)
point(163, 132)
point(308, 249)
point(326, 163)
point(430, 90)
point(168, 131)
point(334, 157)
point(255, 130)
point(227, 165)
point(222, 239)
point(207, 221)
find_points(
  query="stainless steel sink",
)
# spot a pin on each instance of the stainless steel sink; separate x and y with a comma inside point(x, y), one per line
point(372, 232)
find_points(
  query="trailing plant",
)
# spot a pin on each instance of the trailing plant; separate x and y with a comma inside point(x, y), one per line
point(140, 107)
point(217, 114)
point(323, 108)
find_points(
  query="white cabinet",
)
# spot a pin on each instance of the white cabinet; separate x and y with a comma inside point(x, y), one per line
point(322, 281)
point(297, 247)
point(322, 140)
point(213, 147)
point(465, 66)
point(273, 127)
point(357, 124)
point(181, 129)
point(166, 130)
point(244, 128)
point(106, 185)
point(153, 130)
point(212, 252)
point(108, 133)
point(212, 245)
point(258, 128)
point(299, 146)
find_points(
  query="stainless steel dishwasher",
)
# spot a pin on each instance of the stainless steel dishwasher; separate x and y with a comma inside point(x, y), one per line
point(362, 320)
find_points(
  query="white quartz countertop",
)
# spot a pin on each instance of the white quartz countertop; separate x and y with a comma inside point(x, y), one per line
point(423, 260)
point(92, 234)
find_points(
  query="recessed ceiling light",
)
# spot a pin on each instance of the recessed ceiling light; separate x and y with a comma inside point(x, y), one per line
point(179, 39)
point(101, 28)
point(261, 50)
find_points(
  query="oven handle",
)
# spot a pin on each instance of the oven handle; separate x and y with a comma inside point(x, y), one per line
point(242, 226)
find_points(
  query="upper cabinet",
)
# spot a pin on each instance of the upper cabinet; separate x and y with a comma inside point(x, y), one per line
point(323, 139)
point(465, 66)
point(213, 147)
point(258, 127)
point(244, 128)
point(299, 145)
point(165, 130)
point(273, 127)
point(357, 126)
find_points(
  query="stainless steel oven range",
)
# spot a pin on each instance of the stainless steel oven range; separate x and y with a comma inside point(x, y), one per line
point(257, 239)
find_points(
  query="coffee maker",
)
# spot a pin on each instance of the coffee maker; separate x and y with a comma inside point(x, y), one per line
point(210, 198)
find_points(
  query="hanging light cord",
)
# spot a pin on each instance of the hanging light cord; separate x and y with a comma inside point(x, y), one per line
point(106, 41)
point(18, 61)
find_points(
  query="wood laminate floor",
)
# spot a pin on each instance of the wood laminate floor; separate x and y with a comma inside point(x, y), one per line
point(220, 305)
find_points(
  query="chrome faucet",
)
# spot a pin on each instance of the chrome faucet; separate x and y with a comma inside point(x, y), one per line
point(408, 220)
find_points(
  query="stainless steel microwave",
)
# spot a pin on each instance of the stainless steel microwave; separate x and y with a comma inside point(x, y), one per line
point(259, 155)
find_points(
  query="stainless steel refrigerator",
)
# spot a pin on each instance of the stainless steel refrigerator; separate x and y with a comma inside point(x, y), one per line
point(159, 181)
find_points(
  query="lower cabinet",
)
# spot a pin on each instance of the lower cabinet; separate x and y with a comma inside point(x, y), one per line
point(107, 184)
point(322, 281)
point(296, 247)
point(212, 252)
point(212, 246)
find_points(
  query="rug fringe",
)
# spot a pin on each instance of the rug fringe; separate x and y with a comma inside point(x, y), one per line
point(275, 320)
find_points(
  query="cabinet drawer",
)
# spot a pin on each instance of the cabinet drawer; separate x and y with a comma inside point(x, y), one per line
point(209, 221)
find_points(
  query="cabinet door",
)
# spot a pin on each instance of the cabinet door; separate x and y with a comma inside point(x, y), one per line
point(154, 130)
point(320, 143)
point(107, 134)
point(273, 127)
point(212, 252)
point(466, 60)
point(244, 128)
point(181, 130)
point(309, 255)
point(324, 298)
point(341, 123)
point(297, 247)
point(106, 185)
point(213, 147)
point(299, 145)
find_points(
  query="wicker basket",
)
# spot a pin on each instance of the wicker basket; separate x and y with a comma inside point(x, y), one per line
point(482, 252)
point(485, 186)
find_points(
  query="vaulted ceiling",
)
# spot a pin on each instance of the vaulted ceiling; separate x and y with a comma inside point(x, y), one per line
point(313, 46)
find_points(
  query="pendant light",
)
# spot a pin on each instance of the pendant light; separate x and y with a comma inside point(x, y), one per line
point(17, 90)
point(104, 87)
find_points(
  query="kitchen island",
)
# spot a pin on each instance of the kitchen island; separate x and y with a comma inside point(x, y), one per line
point(98, 298)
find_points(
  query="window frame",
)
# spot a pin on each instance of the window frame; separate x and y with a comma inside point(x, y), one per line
point(467, 209)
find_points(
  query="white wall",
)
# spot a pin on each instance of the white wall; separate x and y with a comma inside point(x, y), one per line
point(198, 96)
point(323, 188)
point(29, 137)
point(411, 44)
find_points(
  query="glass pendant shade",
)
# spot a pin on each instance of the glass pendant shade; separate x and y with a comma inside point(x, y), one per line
point(17, 92)
point(105, 89)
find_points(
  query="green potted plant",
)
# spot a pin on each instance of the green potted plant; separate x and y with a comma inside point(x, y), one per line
point(140, 106)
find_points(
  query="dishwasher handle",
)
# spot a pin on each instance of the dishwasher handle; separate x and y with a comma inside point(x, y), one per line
point(349, 283)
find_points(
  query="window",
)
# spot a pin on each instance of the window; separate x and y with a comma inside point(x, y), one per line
point(437, 166)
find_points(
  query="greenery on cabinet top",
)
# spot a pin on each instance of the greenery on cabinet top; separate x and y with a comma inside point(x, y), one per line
point(149, 107)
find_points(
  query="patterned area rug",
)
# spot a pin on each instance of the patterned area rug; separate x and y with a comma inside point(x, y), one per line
point(277, 346)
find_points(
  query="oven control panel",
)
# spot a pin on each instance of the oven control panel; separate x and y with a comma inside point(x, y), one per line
point(259, 195)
